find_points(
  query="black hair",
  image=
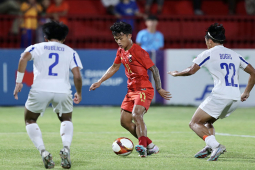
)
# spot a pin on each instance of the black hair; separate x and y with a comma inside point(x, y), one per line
point(216, 32)
point(152, 17)
point(119, 27)
point(55, 30)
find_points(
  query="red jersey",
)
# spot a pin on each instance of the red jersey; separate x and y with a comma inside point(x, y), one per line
point(136, 62)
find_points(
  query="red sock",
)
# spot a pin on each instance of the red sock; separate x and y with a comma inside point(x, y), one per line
point(148, 141)
point(143, 141)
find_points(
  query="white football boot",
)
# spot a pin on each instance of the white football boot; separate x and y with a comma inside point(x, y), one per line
point(153, 150)
point(65, 158)
point(217, 152)
point(47, 159)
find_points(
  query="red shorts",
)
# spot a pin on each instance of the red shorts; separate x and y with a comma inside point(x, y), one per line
point(142, 98)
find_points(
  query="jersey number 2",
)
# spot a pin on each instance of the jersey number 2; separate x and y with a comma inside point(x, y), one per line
point(54, 64)
point(228, 67)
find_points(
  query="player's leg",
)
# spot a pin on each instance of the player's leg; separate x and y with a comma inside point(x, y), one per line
point(33, 129)
point(231, 105)
point(63, 105)
point(197, 124)
point(142, 101)
point(207, 113)
point(126, 121)
point(36, 104)
point(141, 130)
point(210, 127)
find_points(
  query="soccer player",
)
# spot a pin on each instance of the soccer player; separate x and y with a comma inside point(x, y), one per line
point(140, 91)
point(223, 64)
point(52, 61)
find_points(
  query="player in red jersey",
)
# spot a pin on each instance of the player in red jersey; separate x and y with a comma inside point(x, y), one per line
point(140, 91)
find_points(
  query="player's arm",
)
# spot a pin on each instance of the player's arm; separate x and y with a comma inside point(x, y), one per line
point(187, 72)
point(78, 84)
point(109, 73)
point(163, 93)
point(250, 70)
point(21, 71)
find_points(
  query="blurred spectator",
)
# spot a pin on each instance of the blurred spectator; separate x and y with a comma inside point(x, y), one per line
point(149, 3)
point(110, 5)
point(42, 20)
point(126, 10)
point(11, 7)
point(59, 11)
point(250, 7)
point(30, 10)
point(150, 39)
point(197, 7)
point(231, 6)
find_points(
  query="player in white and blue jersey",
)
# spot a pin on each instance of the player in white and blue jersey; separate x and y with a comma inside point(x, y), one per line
point(224, 65)
point(52, 62)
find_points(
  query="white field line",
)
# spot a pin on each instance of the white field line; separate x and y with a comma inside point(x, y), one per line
point(220, 134)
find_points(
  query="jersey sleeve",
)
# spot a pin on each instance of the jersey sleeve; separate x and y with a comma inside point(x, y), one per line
point(75, 61)
point(144, 58)
point(243, 63)
point(34, 51)
point(117, 59)
point(202, 59)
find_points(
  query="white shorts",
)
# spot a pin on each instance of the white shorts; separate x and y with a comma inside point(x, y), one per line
point(38, 101)
point(219, 107)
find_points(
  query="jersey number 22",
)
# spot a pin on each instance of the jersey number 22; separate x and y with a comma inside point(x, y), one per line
point(228, 67)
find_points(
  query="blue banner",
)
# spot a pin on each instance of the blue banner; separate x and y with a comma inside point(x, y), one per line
point(95, 63)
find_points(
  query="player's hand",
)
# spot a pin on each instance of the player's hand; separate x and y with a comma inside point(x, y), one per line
point(94, 86)
point(244, 96)
point(165, 94)
point(173, 73)
point(17, 89)
point(77, 98)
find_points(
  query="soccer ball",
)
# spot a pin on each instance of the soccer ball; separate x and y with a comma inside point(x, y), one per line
point(122, 146)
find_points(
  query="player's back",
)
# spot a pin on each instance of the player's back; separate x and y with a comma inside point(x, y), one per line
point(52, 61)
point(224, 65)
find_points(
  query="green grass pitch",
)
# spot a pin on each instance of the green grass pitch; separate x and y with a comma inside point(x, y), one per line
point(95, 129)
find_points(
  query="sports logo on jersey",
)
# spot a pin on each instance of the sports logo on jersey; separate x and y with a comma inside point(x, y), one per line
point(130, 58)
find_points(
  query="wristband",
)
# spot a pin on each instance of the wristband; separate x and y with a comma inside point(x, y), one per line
point(19, 77)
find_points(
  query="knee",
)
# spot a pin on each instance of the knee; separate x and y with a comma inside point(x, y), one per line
point(123, 124)
point(136, 117)
point(191, 124)
point(29, 121)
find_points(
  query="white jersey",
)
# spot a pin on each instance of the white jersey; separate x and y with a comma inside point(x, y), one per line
point(52, 61)
point(223, 64)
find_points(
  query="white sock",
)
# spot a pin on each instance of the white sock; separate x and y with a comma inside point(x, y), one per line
point(66, 133)
point(35, 135)
point(211, 142)
point(150, 146)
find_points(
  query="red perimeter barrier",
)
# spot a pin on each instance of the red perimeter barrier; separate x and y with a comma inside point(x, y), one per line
point(179, 31)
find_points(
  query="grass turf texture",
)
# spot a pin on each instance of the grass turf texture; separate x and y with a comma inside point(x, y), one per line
point(95, 128)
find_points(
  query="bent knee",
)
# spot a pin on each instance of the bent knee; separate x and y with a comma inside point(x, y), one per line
point(191, 124)
point(30, 121)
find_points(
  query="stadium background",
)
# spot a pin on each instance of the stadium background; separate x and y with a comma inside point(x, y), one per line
point(90, 36)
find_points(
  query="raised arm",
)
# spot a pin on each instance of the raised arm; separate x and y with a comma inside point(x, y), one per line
point(187, 72)
point(78, 84)
point(250, 70)
point(163, 93)
point(20, 74)
point(109, 73)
